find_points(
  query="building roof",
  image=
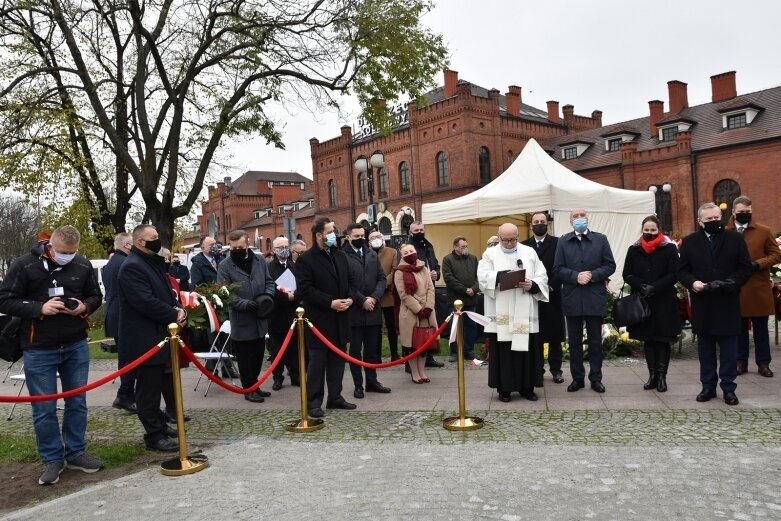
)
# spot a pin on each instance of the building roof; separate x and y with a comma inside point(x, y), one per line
point(309, 211)
point(707, 133)
point(247, 183)
point(527, 111)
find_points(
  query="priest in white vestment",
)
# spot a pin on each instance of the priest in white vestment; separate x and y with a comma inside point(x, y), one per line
point(515, 354)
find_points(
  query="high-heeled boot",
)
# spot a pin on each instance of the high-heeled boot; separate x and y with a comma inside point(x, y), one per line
point(650, 360)
point(662, 363)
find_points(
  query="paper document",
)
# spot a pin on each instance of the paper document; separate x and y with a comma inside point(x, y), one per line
point(287, 280)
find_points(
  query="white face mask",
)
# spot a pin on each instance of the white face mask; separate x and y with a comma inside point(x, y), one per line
point(376, 243)
point(63, 258)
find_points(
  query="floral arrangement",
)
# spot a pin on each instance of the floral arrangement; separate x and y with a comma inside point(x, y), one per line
point(220, 299)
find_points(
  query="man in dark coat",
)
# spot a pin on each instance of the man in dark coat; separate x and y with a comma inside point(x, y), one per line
point(147, 304)
point(126, 394)
point(204, 265)
point(714, 264)
point(459, 269)
point(365, 313)
point(327, 289)
point(551, 315)
point(285, 303)
point(583, 263)
point(248, 329)
point(425, 251)
point(180, 273)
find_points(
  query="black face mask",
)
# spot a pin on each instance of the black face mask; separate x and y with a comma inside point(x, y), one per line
point(239, 254)
point(540, 229)
point(648, 237)
point(743, 218)
point(175, 263)
point(713, 227)
point(358, 243)
point(154, 246)
point(418, 237)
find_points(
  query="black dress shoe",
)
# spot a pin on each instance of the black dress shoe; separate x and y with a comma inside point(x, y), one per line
point(317, 412)
point(254, 397)
point(264, 394)
point(277, 385)
point(358, 393)
point(706, 394)
point(172, 419)
point(504, 397)
point(170, 432)
point(598, 387)
point(730, 398)
point(558, 378)
point(377, 388)
point(125, 405)
point(530, 395)
point(163, 445)
point(576, 385)
point(341, 404)
point(433, 362)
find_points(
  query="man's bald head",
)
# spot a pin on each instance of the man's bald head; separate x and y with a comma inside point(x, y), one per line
point(508, 230)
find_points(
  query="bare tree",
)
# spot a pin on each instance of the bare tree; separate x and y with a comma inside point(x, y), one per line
point(19, 225)
point(122, 96)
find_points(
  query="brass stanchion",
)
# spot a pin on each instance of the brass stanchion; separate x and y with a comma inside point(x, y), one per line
point(461, 422)
point(184, 464)
point(305, 424)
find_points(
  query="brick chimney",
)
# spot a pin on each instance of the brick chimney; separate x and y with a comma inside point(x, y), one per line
point(679, 98)
point(568, 111)
point(451, 80)
point(723, 86)
point(656, 108)
point(553, 112)
point(513, 100)
point(597, 117)
point(494, 95)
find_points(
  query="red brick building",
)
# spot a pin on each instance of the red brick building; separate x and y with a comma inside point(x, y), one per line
point(464, 138)
point(260, 203)
point(689, 155)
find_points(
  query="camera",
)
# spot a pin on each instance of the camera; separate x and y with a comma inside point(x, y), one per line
point(71, 303)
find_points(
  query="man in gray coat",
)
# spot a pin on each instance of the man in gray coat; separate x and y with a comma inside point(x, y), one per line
point(248, 330)
point(583, 263)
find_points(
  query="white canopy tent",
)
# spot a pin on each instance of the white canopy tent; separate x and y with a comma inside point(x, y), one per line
point(536, 182)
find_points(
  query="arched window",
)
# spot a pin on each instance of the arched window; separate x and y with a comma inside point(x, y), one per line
point(485, 165)
point(364, 223)
point(442, 175)
point(383, 183)
point(406, 222)
point(362, 186)
point(386, 226)
point(332, 193)
point(268, 244)
point(404, 178)
point(664, 209)
point(510, 157)
point(725, 192)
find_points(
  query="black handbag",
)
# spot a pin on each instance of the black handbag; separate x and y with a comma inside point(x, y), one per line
point(630, 310)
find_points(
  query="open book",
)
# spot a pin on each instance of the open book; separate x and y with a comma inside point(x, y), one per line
point(511, 279)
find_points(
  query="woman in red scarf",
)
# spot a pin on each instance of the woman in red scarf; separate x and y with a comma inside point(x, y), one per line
point(415, 302)
point(650, 268)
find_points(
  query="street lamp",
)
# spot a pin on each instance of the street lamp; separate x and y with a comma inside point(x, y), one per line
point(367, 166)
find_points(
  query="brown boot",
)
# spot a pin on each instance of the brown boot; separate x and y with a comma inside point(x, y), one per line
point(765, 371)
point(742, 367)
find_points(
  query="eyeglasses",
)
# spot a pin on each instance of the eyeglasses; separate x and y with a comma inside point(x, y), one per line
point(509, 241)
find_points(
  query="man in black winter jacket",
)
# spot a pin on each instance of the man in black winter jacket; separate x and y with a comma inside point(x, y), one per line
point(54, 290)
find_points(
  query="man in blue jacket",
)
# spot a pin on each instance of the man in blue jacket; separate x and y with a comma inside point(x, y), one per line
point(583, 263)
point(204, 265)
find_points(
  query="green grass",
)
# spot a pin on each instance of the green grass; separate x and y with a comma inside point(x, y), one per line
point(95, 352)
point(21, 449)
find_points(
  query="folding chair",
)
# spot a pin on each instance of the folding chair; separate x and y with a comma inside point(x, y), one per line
point(8, 372)
point(19, 378)
point(218, 353)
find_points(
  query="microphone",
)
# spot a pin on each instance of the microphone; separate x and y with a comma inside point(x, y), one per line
point(519, 263)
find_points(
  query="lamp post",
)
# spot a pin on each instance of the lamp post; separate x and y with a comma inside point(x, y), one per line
point(367, 166)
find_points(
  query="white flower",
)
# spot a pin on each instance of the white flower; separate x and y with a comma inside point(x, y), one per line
point(217, 301)
point(224, 291)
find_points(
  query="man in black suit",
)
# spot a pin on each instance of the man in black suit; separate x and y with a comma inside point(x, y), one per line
point(327, 288)
point(147, 304)
point(551, 315)
point(715, 263)
point(285, 304)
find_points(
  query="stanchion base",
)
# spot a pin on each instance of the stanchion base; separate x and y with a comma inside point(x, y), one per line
point(468, 424)
point(311, 425)
point(179, 467)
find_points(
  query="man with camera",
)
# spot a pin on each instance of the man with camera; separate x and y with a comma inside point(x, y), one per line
point(54, 290)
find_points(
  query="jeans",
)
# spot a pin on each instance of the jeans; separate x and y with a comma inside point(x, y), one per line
point(470, 333)
point(761, 340)
point(41, 366)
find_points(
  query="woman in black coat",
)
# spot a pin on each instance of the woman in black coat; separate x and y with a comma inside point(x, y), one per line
point(650, 269)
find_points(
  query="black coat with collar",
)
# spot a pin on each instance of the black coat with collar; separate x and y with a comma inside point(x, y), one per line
point(202, 271)
point(371, 278)
point(284, 309)
point(715, 312)
point(110, 275)
point(551, 315)
point(147, 304)
point(321, 278)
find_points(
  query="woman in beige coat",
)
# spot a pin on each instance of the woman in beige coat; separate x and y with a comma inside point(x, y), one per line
point(416, 293)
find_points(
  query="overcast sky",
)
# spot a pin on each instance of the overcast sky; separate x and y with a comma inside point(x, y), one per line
point(609, 55)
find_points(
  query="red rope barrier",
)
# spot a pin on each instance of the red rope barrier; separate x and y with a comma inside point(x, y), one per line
point(238, 390)
point(90, 386)
point(383, 365)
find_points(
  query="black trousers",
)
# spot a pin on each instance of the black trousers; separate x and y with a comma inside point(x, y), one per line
point(575, 338)
point(389, 318)
point(127, 382)
point(325, 368)
point(249, 355)
point(367, 337)
point(289, 359)
point(150, 382)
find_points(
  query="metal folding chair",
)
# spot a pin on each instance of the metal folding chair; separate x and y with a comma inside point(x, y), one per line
point(218, 353)
point(8, 371)
point(19, 378)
